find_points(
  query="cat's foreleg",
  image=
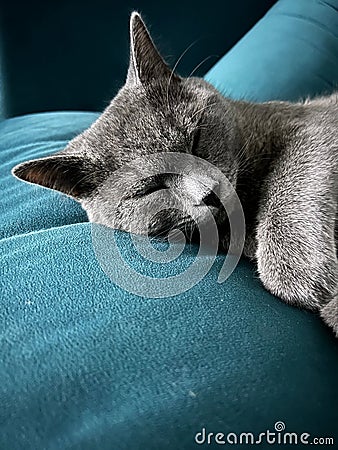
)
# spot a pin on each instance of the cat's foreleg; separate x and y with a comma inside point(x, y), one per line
point(298, 268)
point(296, 254)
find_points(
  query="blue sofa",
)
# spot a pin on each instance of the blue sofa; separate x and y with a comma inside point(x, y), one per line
point(86, 365)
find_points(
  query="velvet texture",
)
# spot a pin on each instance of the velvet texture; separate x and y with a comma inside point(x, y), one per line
point(290, 54)
point(86, 365)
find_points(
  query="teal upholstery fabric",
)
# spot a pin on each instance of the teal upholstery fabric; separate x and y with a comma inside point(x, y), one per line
point(85, 365)
point(291, 53)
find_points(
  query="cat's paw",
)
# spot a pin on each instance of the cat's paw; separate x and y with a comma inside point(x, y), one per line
point(307, 285)
point(329, 314)
point(299, 285)
point(294, 267)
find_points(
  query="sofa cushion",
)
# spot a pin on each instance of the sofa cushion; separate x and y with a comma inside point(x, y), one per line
point(87, 365)
point(25, 207)
point(290, 54)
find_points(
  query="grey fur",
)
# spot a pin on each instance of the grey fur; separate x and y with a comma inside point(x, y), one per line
point(281, 157)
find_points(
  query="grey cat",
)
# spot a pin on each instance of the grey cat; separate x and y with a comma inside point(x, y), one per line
point(281, 157)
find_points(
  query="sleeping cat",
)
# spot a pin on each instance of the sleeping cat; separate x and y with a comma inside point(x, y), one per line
point(282, 159)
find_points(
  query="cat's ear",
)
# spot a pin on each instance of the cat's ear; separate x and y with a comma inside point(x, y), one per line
point(69, 174)
point(146, 63)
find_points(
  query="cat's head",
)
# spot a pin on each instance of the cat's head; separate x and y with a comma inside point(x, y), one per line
point(155, 113)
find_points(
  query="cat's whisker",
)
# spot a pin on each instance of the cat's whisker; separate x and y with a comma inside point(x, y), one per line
point(175, 233)
point(191, 229)
point(185, 229)
point(201, 127)
point(242, 153)
point(85, 177)
point(164, 230)
point(175, 67)
point(201, 63)
point(202, 109)
point(194, 70)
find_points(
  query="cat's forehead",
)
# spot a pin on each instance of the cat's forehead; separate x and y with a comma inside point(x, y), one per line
point(141, 122)
point(162, 102)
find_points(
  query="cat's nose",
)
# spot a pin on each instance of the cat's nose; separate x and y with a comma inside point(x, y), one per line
point(203, 192)
point(211, 199)
point(209, 196)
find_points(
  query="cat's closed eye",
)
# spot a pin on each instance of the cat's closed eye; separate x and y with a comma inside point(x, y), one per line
point(149, 186)
point(149, 189)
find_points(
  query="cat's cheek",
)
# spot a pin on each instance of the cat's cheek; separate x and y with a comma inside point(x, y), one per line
point(95, 214)
point(86, 205)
